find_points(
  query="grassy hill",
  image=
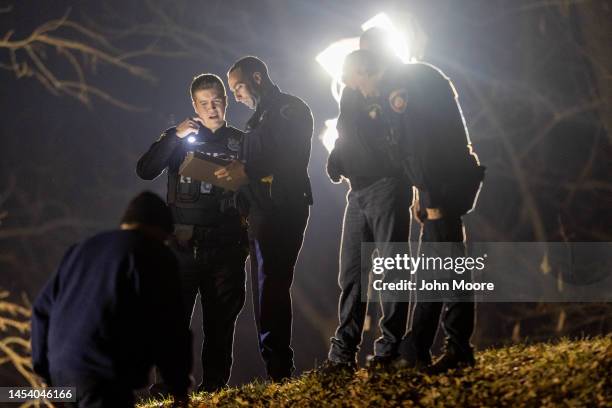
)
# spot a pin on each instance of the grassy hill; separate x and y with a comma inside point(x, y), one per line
point(564, 373)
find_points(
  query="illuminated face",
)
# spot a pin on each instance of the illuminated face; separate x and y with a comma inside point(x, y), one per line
point(209, 105)
point(242, 88)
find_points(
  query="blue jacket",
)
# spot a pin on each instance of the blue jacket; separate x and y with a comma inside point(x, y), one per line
point(111, 311)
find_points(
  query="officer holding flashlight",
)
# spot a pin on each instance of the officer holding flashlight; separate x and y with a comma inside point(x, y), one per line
point(209, 233)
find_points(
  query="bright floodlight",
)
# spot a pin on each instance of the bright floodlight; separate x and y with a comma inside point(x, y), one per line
point(399, 45)
point(330, 134)
point(332, 59)
point(381, 20)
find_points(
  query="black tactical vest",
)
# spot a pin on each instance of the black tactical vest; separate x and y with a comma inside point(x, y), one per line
point(199, 203)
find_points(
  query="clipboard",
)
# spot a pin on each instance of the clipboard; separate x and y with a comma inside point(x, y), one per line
point(202, 167)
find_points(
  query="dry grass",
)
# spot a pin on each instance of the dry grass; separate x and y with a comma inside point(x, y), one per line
point(563, 373)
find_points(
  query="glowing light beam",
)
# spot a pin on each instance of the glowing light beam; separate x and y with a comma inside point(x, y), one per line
point(332, 59)
point(398, 40)
point(330, 134)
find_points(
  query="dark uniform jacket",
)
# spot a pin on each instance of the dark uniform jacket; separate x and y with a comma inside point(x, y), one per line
point(359, 152)
point(276, 151)
point(111, 311)
point(193, 202)
point(431, 136)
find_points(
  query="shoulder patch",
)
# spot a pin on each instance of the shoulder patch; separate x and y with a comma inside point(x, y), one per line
point(288, 111)
point(397, 100)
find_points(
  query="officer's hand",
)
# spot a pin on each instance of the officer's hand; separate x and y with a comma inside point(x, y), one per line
point(333, 169)
point(434, 213)
point(233, 171)
point(333, 173)
point(335, 177)
point(187, 127)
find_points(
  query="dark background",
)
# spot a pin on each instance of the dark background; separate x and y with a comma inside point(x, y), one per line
point(533, 79)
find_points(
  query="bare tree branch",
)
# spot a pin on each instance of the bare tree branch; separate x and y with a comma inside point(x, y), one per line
point(27, 59)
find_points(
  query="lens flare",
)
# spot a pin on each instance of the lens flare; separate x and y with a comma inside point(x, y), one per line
point(397, 39)
point(332, 59)
point(330, 134)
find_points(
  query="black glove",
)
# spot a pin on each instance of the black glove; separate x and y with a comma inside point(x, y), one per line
point(334, 167)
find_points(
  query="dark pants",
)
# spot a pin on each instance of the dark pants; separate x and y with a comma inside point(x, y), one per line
point(457, 317)
point(379, 213)
point(218, 274)
point(92, 392)
point(275, 240)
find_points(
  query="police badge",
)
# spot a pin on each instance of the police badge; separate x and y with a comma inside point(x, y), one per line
point(374, 111)
point(233, 144)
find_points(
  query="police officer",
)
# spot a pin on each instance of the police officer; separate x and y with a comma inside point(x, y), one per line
point(428, 131)
point(423, 105)
point(274, 158)
point(210, 234)
point(377, 209)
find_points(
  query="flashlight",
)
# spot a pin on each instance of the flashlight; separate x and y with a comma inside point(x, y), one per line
point(191, 139)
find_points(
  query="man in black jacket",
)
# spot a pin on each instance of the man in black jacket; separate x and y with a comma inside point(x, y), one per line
point(426, 116)
point(377, 210)
point(430, 142)
point(274, 158)
point(112, 311)
point(210, 235)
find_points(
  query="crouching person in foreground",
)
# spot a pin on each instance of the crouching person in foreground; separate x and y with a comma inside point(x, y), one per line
point(112, 311)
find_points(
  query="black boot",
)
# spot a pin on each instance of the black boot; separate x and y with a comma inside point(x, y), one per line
point(381, 363)
point(411, 355)
point(330, 368)
point(210, 387)
point(402, 363)
point(159, 390)
point(451, 359)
